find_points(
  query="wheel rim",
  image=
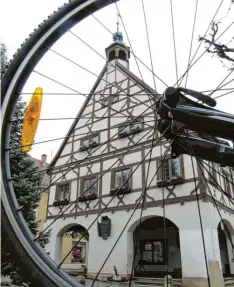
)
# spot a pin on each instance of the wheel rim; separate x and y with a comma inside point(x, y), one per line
point(18, 82)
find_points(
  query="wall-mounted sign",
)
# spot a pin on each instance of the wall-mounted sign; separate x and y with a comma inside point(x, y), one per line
point(104, 227)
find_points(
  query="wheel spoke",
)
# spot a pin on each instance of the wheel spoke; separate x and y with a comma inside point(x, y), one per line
point(225, 94)
point(174, 41)
point(97, 76)
point(115, 67)
point(191, 43)
point(142, 206)
point(156, 76)
point(217, 89)
point(193, 63)
point(200, 164)
point(148, 41)
point(186, 72)
point(137, 205)
point(96, 116)
point(131, 174)
point(75, 164)
point(199, 213)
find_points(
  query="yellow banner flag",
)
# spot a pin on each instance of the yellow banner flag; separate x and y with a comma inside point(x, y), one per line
point(31, 119)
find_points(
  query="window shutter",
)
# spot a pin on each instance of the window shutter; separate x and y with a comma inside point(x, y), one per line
point(57, 193)
point(182, 166)
point(212, 173)
point(226, 180)
point(61, 192)
point(159, 169)
point(67, 191)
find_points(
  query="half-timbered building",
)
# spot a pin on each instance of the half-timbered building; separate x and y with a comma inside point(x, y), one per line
point(111, 159)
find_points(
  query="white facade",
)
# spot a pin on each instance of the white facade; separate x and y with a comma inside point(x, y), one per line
point(73, 166)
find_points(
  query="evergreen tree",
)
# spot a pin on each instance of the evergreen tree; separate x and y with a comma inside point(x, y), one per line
point(4, 59)
point(26, 187)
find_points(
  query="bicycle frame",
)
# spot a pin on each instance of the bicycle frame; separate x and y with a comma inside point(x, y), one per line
point(182, 114)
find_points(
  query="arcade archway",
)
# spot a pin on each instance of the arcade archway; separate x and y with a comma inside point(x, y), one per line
point(157, 245)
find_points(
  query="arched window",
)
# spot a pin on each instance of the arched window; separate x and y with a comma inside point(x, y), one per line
point(122, 55)
point(112, 55)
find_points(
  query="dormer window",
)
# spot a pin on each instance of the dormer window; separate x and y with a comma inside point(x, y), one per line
point(129, 127)
point(105, 102)
point(114, 98)
point(89, 141)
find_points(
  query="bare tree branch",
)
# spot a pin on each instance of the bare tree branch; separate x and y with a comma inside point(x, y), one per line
point(219, 49)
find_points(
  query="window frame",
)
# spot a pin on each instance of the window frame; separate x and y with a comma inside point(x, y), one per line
point(232, 180)
point(114, 98)
point(56, 198)
point(151, 241)
point(104, 100)
point(83, 179)
point(170, 181)
point(121, 128)
point(109, 100)
point(89, 137)
point(226, 183)
point(113, 171)
point(212, 171)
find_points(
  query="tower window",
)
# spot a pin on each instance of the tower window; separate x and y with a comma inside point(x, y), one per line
point(112, 55)
point(122, 55)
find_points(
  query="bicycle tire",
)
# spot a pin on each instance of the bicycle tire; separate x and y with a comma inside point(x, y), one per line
point(28, 253)
point(38, 267)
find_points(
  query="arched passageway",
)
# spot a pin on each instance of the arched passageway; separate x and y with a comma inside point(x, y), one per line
point(68, 237)
point(79, 253)
point(226, 241)
point(157, 245)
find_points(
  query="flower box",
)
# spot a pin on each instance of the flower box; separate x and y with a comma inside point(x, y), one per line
point(60, 202)
point(83, 148)
point(122, 190)
point(82, 198)
point(93, 144)
point(177, 180)
point(91, 197)
point(159, 183)
point(173, 181)
point(136, 130)
point(87, 197)
point(123, 134)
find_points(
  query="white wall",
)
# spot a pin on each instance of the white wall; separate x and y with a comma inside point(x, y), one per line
point(185, 217)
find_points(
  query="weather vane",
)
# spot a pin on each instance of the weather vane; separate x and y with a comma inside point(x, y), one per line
point(117, 22)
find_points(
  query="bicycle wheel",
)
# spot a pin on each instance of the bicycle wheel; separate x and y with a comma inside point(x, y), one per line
point(135, 124)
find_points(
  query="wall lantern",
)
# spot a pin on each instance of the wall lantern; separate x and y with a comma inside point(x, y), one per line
point(104, 227)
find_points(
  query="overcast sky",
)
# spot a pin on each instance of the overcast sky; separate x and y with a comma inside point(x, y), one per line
point(20, 18)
